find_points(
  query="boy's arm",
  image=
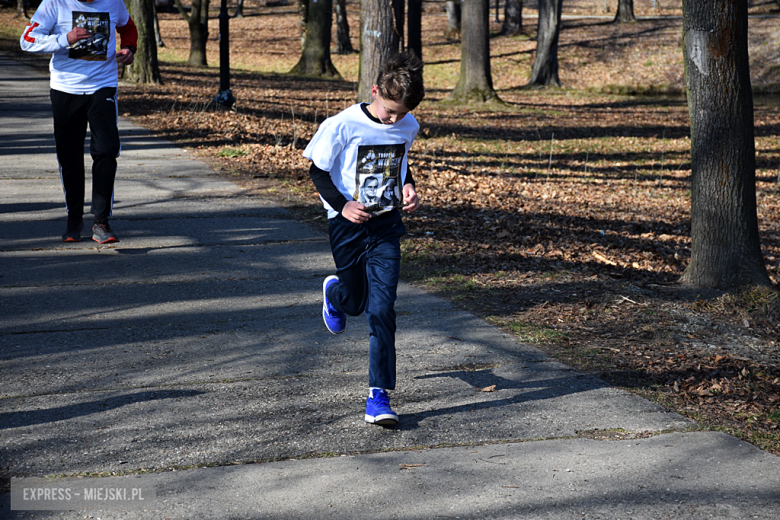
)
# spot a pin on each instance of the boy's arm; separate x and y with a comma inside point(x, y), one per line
point(349, 209)
point(326, 188)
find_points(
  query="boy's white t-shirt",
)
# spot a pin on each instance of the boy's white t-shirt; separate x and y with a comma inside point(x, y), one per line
point(367, 160)
point(87, 65)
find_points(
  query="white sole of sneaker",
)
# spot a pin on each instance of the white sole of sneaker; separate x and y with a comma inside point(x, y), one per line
point(382, 420)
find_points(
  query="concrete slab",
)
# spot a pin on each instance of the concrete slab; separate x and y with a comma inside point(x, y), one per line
point(674, 476)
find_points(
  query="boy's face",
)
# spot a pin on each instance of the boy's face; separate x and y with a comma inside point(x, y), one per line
point(386, 110)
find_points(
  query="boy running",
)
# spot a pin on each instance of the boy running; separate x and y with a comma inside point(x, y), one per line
point(356, 156)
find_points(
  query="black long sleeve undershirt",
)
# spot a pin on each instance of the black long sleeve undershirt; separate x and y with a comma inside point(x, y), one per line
point(328, 190)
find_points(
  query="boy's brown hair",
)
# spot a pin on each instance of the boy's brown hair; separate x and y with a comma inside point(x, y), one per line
point(400, 79)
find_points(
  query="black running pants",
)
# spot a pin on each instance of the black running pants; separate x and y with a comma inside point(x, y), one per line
point(72, 113)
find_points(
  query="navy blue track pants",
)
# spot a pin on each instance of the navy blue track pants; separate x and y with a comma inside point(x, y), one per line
point(368, 263)
point(72, 113)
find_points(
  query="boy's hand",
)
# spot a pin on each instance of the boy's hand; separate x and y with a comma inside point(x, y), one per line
point(411, 201)
point(353, 211)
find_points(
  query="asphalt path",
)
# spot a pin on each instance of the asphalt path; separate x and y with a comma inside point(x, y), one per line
point(190, 359)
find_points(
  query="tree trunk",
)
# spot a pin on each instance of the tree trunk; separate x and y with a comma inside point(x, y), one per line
point(239, 9)
point(453, 19)
point(198, 24)
point(157, 35)
point(378, 40)
point(414, 27)
point(545, 70)
point(343, 42)
point(725, 247)
point(513, 18)
point(145, 68)
point(475, 82)
point(315, 56)
point(398, 21)
point(625, 11)
point(21, 9)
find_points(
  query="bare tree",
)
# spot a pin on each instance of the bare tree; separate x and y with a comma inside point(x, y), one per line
point(315, 55)
point(725, 246)
point(453, 18)
point(343, 41)
point(157, 35)
point(21, 9)
point(144, 68)
point(513, 18)
point(239, 9)
point(198, 23)
point(378, 40)
point(475, 82)
point(398, 21)
point(625, 12)
point(414, 26)
point(545, 70)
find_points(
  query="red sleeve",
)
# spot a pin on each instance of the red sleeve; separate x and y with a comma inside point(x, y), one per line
point(128, 34)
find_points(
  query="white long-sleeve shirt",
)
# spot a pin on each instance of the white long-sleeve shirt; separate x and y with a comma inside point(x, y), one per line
point(87, 65)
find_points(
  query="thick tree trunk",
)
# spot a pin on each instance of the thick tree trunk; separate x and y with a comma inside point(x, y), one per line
point(513, 18)
point(157, 35)
point(625, 11)
point(378, 40)
point(453, 18)
point(315, 56)
point(725, 247)
point(239, 9)
point(414, 26)
point(343, 41)
point(145, 68)
point(475, 82)
point(198, 24)
point(545, 70)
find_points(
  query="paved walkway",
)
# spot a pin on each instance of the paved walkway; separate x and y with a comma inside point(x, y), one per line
point(194, 349)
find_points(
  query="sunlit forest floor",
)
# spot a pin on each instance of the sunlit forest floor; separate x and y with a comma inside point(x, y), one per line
point(562, 215)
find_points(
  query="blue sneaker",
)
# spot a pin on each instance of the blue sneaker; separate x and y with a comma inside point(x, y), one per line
point(336, 321)
point(378, 409)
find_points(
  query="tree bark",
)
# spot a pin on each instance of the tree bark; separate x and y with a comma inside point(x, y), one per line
point(475, 82)
point(453, 19)
point(144, 68)
point(157, 35)
point(343, 41)
point(315, 56)
point(513, 18)
point(239, 9)
point(725, 245)
point(414, 27)
point(625, 12)
point(198, 24)
point(545, 70)
point(378, 40)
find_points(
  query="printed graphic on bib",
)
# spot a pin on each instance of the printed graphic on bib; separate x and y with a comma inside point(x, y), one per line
point(94, 48)
point(379, 176)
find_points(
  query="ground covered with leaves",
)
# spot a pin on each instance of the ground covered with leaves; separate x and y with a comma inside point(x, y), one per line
point(561, 215)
